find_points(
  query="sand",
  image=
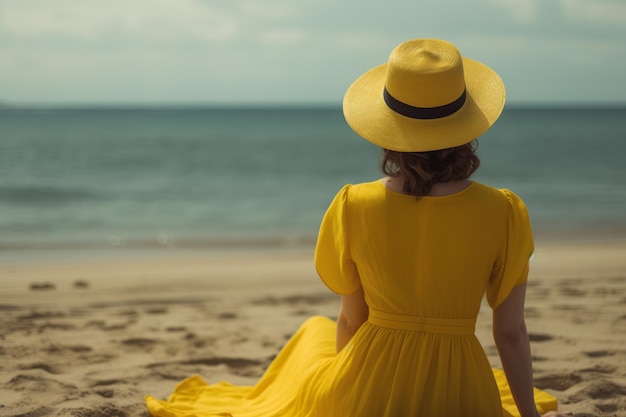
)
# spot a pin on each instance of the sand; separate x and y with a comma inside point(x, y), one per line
point(91, 337)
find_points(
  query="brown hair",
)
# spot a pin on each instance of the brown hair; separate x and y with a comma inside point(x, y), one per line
point(421, 170)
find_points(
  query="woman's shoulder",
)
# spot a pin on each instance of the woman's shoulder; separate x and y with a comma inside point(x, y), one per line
point(502, 193)
point(361, 193)
point(504, 196)
point(365, 187)
point(365, 191)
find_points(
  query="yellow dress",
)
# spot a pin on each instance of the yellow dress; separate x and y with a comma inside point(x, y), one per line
point(424, 266)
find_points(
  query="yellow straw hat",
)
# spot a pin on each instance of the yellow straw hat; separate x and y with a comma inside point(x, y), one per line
point(426, 97)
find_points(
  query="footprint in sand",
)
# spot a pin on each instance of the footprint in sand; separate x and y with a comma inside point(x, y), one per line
point(573, 292)
point(62, 349)
point(107, 382)
point(36, 315)
point(600, 369)
point(55, 326)
point(539, 337)
point(105, 410)
point(233, 363)
point(43, 366)
point(42, 286)
point(313, 299)
point(105, 393)
point(32, 383)
point(599, 353)
point(176, 329)
point(604, 389)
point(557, 381)
point(177, 369)
point(607, 407)
point(156, 310)
point(139, 343)
point(80, 284)
point(109, 327)
point(199, 342)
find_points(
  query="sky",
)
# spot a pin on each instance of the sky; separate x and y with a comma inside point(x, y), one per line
point(297, 51)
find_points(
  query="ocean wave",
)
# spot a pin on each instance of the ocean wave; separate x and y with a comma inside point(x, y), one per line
point(36, 195)
point(164, 242)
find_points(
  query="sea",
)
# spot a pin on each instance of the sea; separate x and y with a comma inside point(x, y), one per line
point(156, 178)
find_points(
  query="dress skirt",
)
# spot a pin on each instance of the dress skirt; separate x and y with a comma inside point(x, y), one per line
point(384, 371)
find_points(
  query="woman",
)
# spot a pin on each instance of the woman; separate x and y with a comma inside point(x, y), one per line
point(411, 255)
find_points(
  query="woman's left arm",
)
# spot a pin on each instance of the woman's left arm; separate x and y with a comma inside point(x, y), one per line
point(352, 314)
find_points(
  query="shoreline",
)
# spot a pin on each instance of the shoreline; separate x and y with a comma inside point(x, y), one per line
point(24, 252)
point(551, 261)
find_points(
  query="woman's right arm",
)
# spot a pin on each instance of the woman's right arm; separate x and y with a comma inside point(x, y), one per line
point(511, 337)
point(509, 333)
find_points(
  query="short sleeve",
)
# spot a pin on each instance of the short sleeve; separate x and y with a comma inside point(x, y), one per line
point(511, 267)
point(333, 261)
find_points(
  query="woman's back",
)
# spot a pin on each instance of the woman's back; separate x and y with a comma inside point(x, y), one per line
point(429, 257)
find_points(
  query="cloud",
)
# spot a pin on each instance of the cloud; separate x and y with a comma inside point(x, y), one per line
point(267, 10)
point(84, 20)
point(524, 11)
point(599, 11)
point(24, 20)
point(556, 50)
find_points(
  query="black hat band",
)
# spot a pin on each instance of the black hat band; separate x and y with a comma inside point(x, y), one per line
point(423, 112)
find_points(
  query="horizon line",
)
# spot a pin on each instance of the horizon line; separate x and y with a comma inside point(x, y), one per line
point(172, 105)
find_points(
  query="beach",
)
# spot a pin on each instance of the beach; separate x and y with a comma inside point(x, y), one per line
point(92, 336)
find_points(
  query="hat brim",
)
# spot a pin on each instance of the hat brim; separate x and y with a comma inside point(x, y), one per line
point(369, 116)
